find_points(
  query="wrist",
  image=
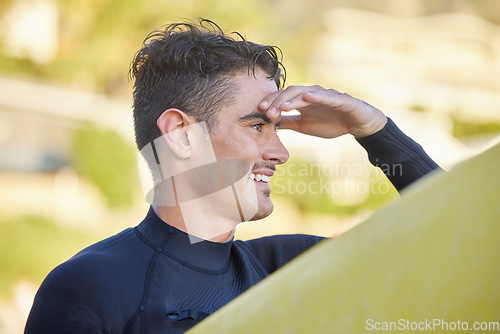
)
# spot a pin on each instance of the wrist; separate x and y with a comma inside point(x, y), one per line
point(375, 127)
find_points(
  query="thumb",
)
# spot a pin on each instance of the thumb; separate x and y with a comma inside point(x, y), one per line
point(290, 122)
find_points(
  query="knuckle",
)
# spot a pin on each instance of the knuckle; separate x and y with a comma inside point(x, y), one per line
point(293, 88)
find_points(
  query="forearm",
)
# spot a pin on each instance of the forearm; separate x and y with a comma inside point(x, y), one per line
point(401, 159)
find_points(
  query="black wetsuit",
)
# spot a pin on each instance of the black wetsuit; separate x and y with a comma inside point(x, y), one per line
point(151, 279)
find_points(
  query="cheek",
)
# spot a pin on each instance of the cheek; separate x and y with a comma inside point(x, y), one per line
point(225, 148)
point(236, 147)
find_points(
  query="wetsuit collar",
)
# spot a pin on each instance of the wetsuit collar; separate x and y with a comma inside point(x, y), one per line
point(204, 255)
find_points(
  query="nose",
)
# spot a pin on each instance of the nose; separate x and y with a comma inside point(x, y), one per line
point(275, 150)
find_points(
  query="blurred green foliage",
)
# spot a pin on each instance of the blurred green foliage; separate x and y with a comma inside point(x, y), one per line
point(108, 161)
point(98, 38)
point(31, 246)
point(463, 128)
point(419, 108)
point(314, 191)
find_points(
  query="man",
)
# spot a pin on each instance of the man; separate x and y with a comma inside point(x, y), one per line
point(206, 110)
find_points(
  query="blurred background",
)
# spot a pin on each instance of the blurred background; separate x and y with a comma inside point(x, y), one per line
point(68, 165)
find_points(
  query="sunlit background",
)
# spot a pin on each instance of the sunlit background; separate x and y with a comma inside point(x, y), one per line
point(68, 165)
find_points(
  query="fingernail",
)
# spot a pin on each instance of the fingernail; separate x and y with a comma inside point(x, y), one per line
point(264, 104)
point(272, 111)
point(285, 104)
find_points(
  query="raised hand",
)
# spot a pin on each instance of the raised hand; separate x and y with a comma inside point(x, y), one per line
point(324, 112)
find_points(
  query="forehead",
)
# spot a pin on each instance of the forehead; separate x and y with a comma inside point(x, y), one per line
point(250, 88)
point(257, 79)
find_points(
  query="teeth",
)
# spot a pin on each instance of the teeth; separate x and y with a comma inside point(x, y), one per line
point(260, 177)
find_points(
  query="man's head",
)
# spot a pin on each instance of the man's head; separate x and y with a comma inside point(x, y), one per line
point(189, 67)
point(196, 99)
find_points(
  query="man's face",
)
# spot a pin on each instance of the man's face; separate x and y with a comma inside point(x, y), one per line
point(242, 131)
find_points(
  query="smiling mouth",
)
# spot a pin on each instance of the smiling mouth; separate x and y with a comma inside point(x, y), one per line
point(260, 177)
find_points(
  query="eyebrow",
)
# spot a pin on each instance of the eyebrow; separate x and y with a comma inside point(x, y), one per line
point(259, 115)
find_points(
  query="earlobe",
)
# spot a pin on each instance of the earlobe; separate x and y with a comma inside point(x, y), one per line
point(173, 124)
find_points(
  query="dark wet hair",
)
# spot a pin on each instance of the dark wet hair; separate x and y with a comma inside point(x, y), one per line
point(189, 66)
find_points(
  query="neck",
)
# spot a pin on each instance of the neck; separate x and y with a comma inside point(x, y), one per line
point(198, 222)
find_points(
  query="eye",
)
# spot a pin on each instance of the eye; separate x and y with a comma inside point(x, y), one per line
point(257, 126)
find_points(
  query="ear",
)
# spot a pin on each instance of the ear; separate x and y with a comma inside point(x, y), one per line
point(173, 124)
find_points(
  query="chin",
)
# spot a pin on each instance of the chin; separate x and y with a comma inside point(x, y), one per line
point(263, 212)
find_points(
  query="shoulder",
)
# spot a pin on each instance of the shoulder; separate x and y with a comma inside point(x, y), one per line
point(102, 265)
point(96, 288)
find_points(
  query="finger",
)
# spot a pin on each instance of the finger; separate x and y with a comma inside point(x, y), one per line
point(265, 104)
point(276, 106)
point(277, 98)
point(328, 97)
point(273, 113)
point(295, 103)
point(293, 99)
point(342, 102)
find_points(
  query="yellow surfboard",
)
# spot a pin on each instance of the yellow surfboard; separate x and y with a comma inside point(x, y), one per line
point(429, 261)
